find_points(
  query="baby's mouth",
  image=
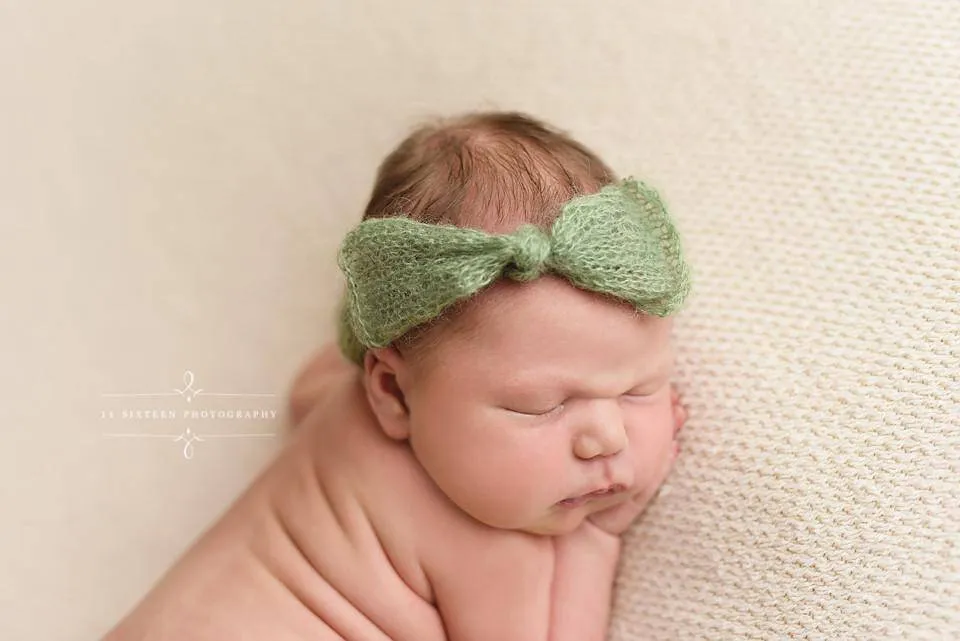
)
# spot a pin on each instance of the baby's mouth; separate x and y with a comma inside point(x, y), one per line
point(575, 501)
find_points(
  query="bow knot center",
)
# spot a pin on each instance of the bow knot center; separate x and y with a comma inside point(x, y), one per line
point(529, 249)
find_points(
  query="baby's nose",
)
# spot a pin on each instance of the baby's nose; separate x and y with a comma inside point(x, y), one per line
point(605, 441)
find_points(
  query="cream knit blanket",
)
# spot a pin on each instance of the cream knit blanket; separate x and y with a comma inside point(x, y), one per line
point(819, 493)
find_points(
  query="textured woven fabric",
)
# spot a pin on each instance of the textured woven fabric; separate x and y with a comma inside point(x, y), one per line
point(818, 492)
point(401, 273)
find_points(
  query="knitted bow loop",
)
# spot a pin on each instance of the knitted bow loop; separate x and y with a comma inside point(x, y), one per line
point(620, 241)
point(401, 273)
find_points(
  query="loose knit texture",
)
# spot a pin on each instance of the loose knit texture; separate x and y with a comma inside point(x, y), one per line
point(402, 273)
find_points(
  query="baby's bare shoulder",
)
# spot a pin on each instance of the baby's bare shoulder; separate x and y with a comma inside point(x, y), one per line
point(466, 571)
point(425, 535)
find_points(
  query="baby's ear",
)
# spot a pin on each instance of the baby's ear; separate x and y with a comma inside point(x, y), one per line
point(384, 371)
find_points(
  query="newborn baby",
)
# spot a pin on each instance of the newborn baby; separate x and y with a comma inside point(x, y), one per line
point(497, 412)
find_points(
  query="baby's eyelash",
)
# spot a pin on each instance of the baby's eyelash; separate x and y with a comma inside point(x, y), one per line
point(648, 391)
point(553, 410)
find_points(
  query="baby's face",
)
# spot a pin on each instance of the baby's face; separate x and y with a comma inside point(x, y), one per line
point(555, 394)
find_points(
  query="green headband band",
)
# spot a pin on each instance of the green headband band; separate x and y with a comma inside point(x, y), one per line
point(402, 273)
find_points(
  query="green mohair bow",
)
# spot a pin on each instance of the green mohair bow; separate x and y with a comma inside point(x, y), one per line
point(402, 273)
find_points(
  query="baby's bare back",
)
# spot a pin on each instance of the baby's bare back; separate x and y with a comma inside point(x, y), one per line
point(343, 536)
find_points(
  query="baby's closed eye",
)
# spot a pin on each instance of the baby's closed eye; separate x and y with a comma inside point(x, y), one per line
point(533, 409)
point(648, 390)
point(540, 408)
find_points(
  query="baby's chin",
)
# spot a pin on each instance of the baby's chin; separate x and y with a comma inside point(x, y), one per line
point(561, 521)
point(552, 529)
point(556, 520)
point(547, 525)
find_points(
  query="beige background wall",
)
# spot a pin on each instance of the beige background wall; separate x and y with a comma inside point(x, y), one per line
point(175, 176)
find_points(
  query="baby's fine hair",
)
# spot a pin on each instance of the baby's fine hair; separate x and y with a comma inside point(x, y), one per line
point(489, 170)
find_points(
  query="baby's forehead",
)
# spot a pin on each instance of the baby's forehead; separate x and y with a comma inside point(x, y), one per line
point(548, 331)
point(544, 355)
point(593, 376)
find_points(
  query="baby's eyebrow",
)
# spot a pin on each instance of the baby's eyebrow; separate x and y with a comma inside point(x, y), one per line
point(572, 385)
point(665, 371)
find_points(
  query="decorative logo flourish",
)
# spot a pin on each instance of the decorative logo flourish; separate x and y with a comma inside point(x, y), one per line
point(188, 393)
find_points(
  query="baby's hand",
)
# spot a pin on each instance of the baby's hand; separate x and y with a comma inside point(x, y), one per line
point(617, 519)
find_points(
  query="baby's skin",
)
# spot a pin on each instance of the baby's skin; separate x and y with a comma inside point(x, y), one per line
point(443, 500)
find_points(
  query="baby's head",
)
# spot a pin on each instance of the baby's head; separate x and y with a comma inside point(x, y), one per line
point(530, 392)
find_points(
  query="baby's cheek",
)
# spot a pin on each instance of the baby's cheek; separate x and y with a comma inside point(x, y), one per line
point(650, 430)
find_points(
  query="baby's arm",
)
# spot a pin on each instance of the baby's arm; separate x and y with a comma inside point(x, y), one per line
point(492, 586)
point(584, 571)
point(522, 587)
